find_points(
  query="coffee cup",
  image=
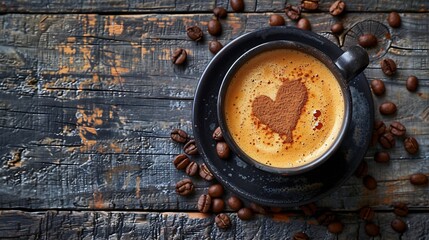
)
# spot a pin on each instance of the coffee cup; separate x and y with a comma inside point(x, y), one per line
point(285, 106)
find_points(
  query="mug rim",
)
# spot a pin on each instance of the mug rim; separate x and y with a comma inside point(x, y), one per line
point(307, 49)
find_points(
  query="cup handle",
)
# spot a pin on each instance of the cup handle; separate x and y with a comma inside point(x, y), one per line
point(352, 62)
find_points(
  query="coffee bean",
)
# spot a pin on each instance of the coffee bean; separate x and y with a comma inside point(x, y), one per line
point(245, 213)
point(237, 5)
point(194, 33)
point(310, 4)
point(372, 229)
point(276, 209)
point(411, 145)
point(218, 205)
point(257, 208)
point(293, 12)
point(216, 190)
point(304, 24)
point(300, 236)
point(382, 157)
point(335, 227)
point(181, 161)
point(309, 209)
point(179, 56)
point(190, 148)
point(397, 129)
point(185, 187)
point(214, 27)
point(326, 217)
point(388, 66)
point(220, 12)
point(178, 135)
point(204, 203)
point(362, 169)
point(192, 169)
point(217, 134)
point(398, 225)
point(205, 173)
point(222, 221)
point(366, 213)
point(215, 46)
point(367, 40)
point(387, 108)
point(276, 20)
point(412, 83)
point(369, 182)
point(400, 209)
point(387, 140)
point(379, 127)
point(222, 150)
point(394, 19)
point(419, 179)
point(337, 8)
point(234, 203)
point(337, 28)
point(378, 87)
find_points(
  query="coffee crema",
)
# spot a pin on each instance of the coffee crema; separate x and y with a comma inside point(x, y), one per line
point(284, 108)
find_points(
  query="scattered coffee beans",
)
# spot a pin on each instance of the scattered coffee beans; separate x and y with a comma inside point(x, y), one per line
point(411, 145)
point(215, 46)
point(185, 187)
point(245, 213)
point(190, 148)
point(412, 83)
point(382, 157)
point(204, 203)
point(335, 227)
point(309, 209)
point(387, 108)
point(181, 161)
point(216, 190)
point(337, 28)
point(179, 136)
point(397, 129)
point(419, 179)
point(220, 12)
point(362, 169)
point(192, 169)
point(276, 20)
point(304, 24)
point(387, 140)
point(179, 56)
point(379, 127)
point(222, 150)
point(378, 87)
point(300, 236)
point(394, 19)
point(214, 27)
point(367, 40)
point(293, 12)
point(205, 173)
point(234, 203)
point(217, 134)
point(337, 8)
point(257, 208)
point(400, 209)
point(310, 4)
point(366, 213)
point(369, 182)
point(194, 33)
point(222, 221)
point(218, 205)
point(388, 66)
point(398, 225)
point(372, 229)
point(237, 5)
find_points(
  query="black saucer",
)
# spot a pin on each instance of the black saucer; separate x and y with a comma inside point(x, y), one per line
point(265, 188)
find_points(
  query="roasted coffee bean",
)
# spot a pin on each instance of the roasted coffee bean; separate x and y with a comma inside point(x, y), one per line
point(216, 190)
point(397, 129)
point(181, 161)
point(205, 173)
point(178, 135)
point(378, 87)
point(217, 134)
point(335, 227)
point(192, 169)
point(394, 19)
point(372, 229)
point(382, 157)
point(222, 221)
point(362, 169)
point(379, 127)
point(419, 179)
point(337, 8)
point(194, 33)
point(300, 236)
point(215, 46)
point(218, 205)
point(245, 213)
point(190, 148)
point(387, 108)
point(220, 12)
point(257, 208)
point(367, 40)
point(366, 213)
point(387, 140)
point(411, 145)
point(398, 225)
point(185, 187)
point(179, 56)
point(326, 217)
point(293, 12)
point(234, 203)
point(310, 4)
point(412, 83)
point(304, 24)
point(222, 150)
point(214, 27)
point(388, 66)
point(309, 209)
point(400, 209)
point(204, 203)
point(337, 28)
point(276, 20)
point(369, 182)
point(237, 5)
point(276, 209)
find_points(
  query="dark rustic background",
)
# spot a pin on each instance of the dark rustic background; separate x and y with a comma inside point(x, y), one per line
point(88, 97)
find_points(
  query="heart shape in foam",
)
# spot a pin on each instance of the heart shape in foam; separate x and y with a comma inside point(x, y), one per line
point(282, 115)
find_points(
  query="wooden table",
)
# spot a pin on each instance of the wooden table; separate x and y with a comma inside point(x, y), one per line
point(89, 96)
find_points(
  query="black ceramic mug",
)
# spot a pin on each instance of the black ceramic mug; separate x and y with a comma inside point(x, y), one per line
point(285, 106)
